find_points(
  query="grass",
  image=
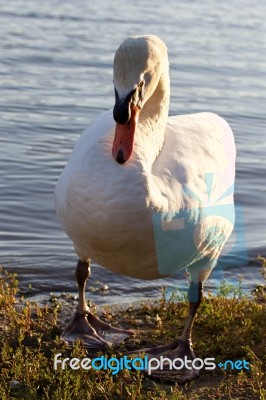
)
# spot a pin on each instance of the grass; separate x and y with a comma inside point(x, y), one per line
point(226, 328)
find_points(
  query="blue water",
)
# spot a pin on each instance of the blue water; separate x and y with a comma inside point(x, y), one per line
point(56, 75)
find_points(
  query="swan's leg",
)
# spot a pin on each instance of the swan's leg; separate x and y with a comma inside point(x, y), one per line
point(181, 348)
point(95, 333)
point(194, 297)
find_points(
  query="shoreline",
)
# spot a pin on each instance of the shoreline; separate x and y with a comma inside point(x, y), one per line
point(224, 329)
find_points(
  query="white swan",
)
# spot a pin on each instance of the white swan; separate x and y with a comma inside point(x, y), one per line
point(147, 195)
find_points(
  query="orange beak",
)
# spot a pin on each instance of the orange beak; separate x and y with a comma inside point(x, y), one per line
point(124, 136)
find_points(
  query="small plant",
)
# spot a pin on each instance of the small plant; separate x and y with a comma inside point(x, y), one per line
point(263, 269)
point(228, 290)
point(259, 292)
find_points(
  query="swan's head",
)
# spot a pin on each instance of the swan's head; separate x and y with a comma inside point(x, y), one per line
point(138, 66)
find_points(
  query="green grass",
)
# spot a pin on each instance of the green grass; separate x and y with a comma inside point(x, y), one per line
point(232, 328)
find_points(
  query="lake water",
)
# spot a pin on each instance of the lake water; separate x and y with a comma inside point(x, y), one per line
point(56, 75)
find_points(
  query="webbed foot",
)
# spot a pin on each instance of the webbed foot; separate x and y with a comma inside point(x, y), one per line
point(95, 333)
point(173, 362)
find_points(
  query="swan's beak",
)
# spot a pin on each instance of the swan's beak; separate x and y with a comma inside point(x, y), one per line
point(124, 136)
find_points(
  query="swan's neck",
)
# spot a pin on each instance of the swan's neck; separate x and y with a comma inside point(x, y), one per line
point(151, 128)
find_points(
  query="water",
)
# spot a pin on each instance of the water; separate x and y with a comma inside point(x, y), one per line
point(56, 75)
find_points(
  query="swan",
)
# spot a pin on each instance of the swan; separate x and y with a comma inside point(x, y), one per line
point(145, 194)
